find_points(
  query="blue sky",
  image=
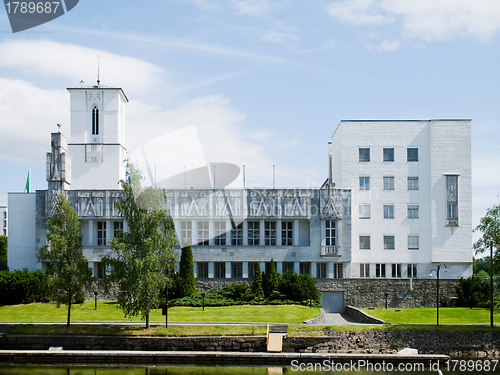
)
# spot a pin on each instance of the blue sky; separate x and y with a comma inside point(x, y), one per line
point(264, 81)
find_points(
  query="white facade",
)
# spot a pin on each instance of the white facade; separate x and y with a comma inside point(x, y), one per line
point(309, 230)
point(4, 216)
point(397, 172)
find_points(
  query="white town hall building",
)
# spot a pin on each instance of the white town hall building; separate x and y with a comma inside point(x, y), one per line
point(396, 203)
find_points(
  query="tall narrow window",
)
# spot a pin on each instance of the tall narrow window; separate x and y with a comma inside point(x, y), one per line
point(412, 182)
point(389, 183)
point(220, 270)
point(338, 270)
point(202, 270)
point(237, 235)
point(220, 233)
point(364, 270)
point(253, 233)
point(389, 211)
point(286, 233)
point(452, 200)
point(236, 270)
point(95, 121)
point(101, 233)
point(321, 270)
point(330, 233)
point(118, 226)
point(203, 233)
point(412, 270)
point(270, 233)
point(396, 270)
point(380, 270)
point(186, 233)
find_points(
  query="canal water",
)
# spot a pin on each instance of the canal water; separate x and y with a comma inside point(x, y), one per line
point(320, 369)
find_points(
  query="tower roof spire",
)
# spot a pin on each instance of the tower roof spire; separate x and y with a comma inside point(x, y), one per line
point(98, 73)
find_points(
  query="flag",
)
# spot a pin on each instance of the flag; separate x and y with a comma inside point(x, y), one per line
point(27, 187)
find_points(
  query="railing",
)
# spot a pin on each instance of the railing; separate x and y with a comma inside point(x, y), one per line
point(330, 251)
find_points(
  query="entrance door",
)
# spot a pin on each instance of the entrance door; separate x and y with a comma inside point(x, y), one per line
point(333, 302)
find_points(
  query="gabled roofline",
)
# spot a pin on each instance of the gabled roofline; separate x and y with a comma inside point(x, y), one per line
point(100, 87)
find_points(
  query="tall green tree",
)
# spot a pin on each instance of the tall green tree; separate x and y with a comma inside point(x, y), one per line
point(186, 271)
point(144, 252)
point(272, 280)
point(489, 226)
point(257, 290)
point(67, 267)
point(3, 252)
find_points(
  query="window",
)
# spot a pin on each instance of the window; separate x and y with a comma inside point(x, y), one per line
point(220, 233)
point(117, 227)
point(338, 270)
point(237, 235)
point(364, 183)
point(220, 270)
point(203, 233)
point(380, 270)
point(364, 270)
point(253, 233)
point(186, 232)
point(413, 211)
point(270, 233)
point(452, 200)
point(286, 233)
point(412, 183)
point(95, 121)
point(330, 239)
point(364, 242)
point(413, 242)
point(412, 154)
point(305, 268)
point(389, 183)
point(287, 267)
point(412, 270)
point(389, 242)
point(251, 269)
point(236, 270)
point(388, 154)
point(101, 233)
point(321, 270)
point(396, 270)
point(364, 211)
point(364, 154)
point(389, 211)
point(202, 270)
point(101, 270)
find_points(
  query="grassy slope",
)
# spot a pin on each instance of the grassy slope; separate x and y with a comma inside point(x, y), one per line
point(447, 315)
point(109, 311)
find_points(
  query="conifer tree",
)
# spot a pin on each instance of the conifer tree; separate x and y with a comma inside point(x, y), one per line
point(257, 290)
point(187, 271)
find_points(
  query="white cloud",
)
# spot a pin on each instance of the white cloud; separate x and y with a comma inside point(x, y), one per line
point(77, 63)
point(257, 8)
point(279, 37)
point(385, 46)
point(428, 20)
point(358, 12)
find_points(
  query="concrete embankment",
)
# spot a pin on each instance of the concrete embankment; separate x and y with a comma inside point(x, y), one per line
point(466, 344)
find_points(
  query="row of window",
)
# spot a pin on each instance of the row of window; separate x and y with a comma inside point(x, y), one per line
point(253, 232)
point(380, 270)
point(388, 182)
point(389, 242)
point(388, 154)
point(102, 239)
point(237, 269)
point(412, 211)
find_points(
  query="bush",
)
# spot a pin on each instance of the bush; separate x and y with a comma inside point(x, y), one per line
point(186, 272)
point(23, 286)
point(472, 292)
point(299, 287)
point(3, 252)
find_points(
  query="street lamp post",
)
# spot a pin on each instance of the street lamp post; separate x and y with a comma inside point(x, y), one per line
point(166, 306)
point(95, 299)
point(386, 295)
point(437, 287)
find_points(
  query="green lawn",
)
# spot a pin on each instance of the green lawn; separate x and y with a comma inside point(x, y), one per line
point(109, 311)
point(447, 315)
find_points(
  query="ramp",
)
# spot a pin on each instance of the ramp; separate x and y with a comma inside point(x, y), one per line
point(275, 334)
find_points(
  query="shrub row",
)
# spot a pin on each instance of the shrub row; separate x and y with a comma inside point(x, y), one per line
point(23, 286)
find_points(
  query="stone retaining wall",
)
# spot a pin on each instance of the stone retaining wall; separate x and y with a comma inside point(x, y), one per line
point(362, 317)
point(70, 342)
point(466, 344)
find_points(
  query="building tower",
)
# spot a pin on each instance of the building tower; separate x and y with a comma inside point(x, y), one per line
point(97, 137)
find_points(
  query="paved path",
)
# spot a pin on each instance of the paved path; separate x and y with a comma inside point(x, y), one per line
point(337, 319)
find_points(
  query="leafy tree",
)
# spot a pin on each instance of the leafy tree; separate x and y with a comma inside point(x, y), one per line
point(472, 292)
point(144, 252)
point(186, 272)
point(67, 267)
point(480, 264)
point(489, 226)
point(257, 290)
point(3, 252)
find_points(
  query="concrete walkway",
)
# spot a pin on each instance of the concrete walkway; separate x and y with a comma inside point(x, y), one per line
point(337, 319)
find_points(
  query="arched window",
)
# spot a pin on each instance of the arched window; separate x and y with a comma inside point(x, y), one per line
point(95, 121)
